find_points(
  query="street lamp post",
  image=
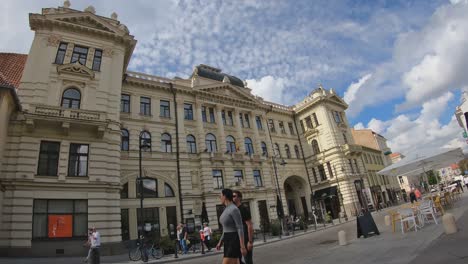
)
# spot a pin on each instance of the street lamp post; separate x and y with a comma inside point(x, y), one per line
point(278, 189)
point(144, 144)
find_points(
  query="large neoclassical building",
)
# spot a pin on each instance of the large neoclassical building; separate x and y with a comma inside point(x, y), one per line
point(81, 127)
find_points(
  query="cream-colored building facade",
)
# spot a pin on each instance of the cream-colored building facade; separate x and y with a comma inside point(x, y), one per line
point(72, 157)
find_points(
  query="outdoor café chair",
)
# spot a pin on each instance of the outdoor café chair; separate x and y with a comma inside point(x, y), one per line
point(427, 209)
point(407, 216)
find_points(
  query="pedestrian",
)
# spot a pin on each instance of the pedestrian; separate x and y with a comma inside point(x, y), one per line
point(207, 234)
point(466, 181)
point(88, 245)
point(418, 194)
point(183, 238)
point(412, 196)
point(179, 233)
point(233, 232)
point(247, 226)
point(95, 245)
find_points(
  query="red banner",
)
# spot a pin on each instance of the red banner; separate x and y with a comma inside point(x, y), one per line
point(60, 226)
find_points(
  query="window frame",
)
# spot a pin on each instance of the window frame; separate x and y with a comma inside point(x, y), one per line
point(249, 146)
point(81, 55)
point(231, 144)
point(165, 108)
point(79, 155)
point(145, 106)
point(166, 188)
point(124, 138)
point(62, 52)
point(258, 120)
point(323, 175)
point(315, 147)
point(264, 148)
point(147, 195)
point(257, 178)
point(291, 128)
point(97, 60)
point(191, 145)
point(238, 177)
point(70, 100)
point(298, 153)
point(288, 151)
point(148, 139)
point(230, 119)
point(247, 120)
point(188, 111)
point(271, 125)
point(209, 143)
point(211, 113)
point(217, 178)
point(203, 112)
point(166, 144)
point(48, 159)
point(281, 126)
point(125, 103)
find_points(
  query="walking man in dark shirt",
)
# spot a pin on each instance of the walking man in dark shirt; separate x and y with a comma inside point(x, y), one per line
point(247, 224)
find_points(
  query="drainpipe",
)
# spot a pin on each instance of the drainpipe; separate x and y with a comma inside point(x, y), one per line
point(177, 152)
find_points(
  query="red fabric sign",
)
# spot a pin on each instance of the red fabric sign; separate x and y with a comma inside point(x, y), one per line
point(60, 226)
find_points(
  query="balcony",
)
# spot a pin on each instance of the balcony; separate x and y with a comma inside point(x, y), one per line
point(311, 132)
point(66, 117)
point(351, 149)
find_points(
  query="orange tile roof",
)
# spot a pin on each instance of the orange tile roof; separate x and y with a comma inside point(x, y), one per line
point(11, 69)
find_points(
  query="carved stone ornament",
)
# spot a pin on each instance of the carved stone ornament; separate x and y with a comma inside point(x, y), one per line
point(75, 69)
point(66, 4)
point(74, 83)
point(107, 52)
point(53, 40)
point(114, 15)
point(90, 9)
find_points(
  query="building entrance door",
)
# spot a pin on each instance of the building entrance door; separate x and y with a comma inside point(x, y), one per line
point(263, 211)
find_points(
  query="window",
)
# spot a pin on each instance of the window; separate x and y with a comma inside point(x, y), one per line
point(291, 128)
point(223, 116)
point(124, 224)
point(296, 150)
point(264, 149)
point(79, 55)
point(124, 139)
point(276, 150)
point(203, 113)
point(357, 167)
point(248, 146)
point(238, 175)
point(258, 120)
point(78, 160)
point(191, 144)
point(230, 144)
point(150, 188)
point(61, 53)
point(257, 178)
point(308, 122)
point(230, 120)
point(150, 218)
point(351, 165)
point(210, 141)
point(168, 191)
point(145, 106)
point(166, 143)
point(218, 179)
point(316, 122)
point(71, 215)
point(97, 60)
point(315, 147)
point(247, 120)
point(48, 158)
point(337, 116)
point(164, 109)
point(330, 171)
point(124, 191)
point(188, 111)
point(345, 138)
point(365, 158)
point(321, 170)
point(125, 103)
point(315, 175)
point(400, 178)
point(288, 151)
point(271, 125)
point(71, 98)
point(281, 126)
point(145, 140)
point(302, 126)
point(212, 115)
point(241, 120)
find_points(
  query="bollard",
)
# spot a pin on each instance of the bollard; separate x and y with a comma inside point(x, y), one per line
point(176, 249)
point(387, 220)
point(342, 238)
point(449, 223)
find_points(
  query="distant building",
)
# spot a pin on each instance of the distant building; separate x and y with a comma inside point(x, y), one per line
point(406, 182)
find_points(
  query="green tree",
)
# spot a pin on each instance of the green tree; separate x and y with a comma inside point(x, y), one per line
point(463, 165)
point(433, 177)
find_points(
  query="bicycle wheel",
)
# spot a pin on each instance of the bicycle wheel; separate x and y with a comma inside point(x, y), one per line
point(157, 253)
point(134, 254)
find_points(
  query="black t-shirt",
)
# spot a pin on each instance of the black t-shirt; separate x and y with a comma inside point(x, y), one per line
point(245, 214)
point(182, 234)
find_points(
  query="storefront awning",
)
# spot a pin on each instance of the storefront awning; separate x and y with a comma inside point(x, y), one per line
point(325, 193)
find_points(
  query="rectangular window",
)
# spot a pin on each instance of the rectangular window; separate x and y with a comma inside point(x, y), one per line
point(247, 120)
point(145, 106)
point(315, 175)
point(150, 218)
point(308, 122)
point(258, 120)
point(238, 175)
point(257, 178)
point(241, 120)
point(321, 170)
point(48, 158)
point(218, 179)
point(203, 113)
point(124, 224)
point(97, 60)
point(281, 126)
point(302, 126)
point(357, 167)
point(61, 53)
point(291, 128)
point(351, 165)
point(212, 115)
point(330, 171)
point(271, 125)
point(58, 219)
point(316, 123)
point(223, 116)
point(79, 55)
point(337, 117)
point(230, 120)
point(150, 188)
point(78, 160)
point(125, 103)
point(164, 109)
point(188, 111)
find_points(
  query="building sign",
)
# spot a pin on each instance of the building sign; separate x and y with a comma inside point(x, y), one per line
point(60, 226)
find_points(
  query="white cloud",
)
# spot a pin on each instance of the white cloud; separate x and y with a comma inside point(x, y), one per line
point(268, 87)
point(359, 125)
point(350, 93)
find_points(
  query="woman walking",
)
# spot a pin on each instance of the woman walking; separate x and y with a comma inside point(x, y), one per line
point(233, 233)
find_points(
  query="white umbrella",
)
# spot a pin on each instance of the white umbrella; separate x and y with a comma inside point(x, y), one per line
point(422, 161)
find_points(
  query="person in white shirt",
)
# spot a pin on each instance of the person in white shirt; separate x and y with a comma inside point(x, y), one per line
point(207, 234)
point(95, 245)
point(466, 181)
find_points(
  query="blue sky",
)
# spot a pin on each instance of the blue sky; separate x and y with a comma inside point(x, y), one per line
point(399, 64)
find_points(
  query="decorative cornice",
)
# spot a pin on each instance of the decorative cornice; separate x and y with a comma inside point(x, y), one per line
point(75, 69)
point(53, 40)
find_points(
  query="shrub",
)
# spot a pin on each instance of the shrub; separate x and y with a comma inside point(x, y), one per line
point(275, 227)
point(167, 244)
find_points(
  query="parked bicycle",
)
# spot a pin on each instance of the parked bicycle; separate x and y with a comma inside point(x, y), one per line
point(136, 253)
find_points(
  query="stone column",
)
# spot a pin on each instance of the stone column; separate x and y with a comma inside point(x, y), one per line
point(256, 140)
point(221, 137)
point(200, 136)
point(181, 118)
point(239, 133)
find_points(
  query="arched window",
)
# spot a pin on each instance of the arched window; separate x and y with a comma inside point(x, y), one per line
point(248, 146)
point(166, 143)
point(168, 191)
point(145, 141)
point(264, 149)
point(277, 150)
point(210, 141)
point(191, 144)
point(296, 150)
point(230, 144)
point(124, 140)
point(288, 151)
point(71, 98)
point(315, 147)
